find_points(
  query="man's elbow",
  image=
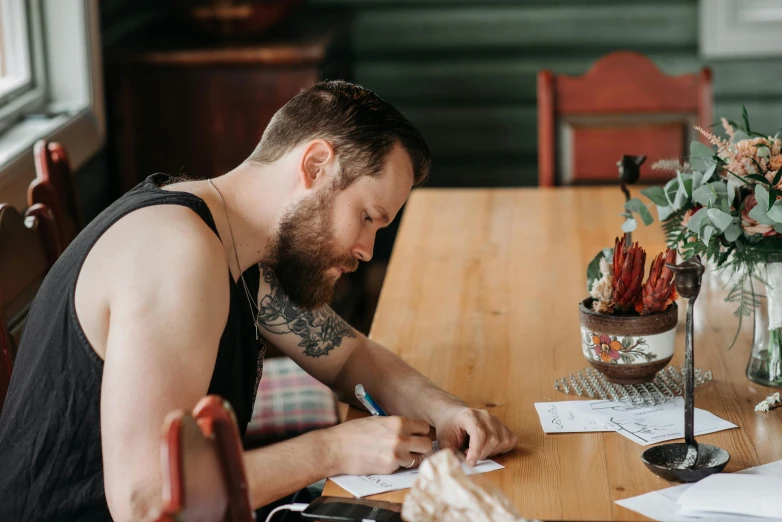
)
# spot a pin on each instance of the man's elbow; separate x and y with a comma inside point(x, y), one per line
point(133, 503)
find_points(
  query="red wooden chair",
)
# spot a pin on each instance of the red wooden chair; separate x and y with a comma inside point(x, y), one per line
point(29, 246)
point(53, 187)
point(623, 105)
point(202, 466)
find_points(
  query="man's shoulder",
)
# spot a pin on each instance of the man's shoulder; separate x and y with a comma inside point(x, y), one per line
point(160, 262)
point(169, 238)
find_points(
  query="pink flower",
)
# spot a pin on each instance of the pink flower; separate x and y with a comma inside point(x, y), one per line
point(689, 214)
point(729, 130)
point(749, 147)
point(749, 225)
point(774, 164)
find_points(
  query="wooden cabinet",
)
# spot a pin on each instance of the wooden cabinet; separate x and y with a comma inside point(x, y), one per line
point(182, 105)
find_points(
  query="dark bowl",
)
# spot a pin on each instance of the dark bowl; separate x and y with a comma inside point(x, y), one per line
point(665, 459)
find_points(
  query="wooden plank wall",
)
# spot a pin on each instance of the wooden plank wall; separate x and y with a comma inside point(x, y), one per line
point(464, 70)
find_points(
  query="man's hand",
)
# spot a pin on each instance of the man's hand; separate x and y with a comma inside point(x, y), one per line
point(376, 445)
point(488, 435)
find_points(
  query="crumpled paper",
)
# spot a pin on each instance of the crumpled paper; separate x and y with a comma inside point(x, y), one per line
point(444, 493)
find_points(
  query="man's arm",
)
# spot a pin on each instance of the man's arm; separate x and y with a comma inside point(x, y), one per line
point(370, 446)
point(168, 306)
point(328, 348)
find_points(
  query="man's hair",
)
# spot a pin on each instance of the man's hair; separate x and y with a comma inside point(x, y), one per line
point(360, 126)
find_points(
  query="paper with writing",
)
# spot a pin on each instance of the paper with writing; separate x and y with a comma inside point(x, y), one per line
point(364, 485)
point(649, 424)
point(559, 417)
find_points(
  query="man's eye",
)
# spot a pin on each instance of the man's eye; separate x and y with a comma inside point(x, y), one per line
point(367, 218)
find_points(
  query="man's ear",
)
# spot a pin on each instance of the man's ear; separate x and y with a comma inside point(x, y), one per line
point(317, 160)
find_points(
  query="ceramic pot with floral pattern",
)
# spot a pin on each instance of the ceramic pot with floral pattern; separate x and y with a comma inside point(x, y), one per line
point(628, 349)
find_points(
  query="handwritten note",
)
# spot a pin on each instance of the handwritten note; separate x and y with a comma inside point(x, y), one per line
point(559, 417)
point(649, 424)
point(364, 485)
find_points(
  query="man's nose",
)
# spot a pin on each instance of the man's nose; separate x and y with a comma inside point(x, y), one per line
point(363, 250)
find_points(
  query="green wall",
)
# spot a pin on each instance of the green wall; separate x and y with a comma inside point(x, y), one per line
point(464, 71)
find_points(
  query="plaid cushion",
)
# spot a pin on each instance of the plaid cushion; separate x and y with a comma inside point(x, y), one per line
point(289, 402)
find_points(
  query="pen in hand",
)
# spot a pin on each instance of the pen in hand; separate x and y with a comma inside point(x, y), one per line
point(374, 408)
point(368, 402)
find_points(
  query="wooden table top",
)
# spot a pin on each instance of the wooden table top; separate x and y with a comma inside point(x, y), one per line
point(481, 296)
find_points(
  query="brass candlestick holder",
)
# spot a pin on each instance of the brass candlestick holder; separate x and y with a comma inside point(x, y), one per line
point(688, 461)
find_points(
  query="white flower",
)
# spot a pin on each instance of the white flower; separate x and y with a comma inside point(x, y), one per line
point(602, 289)
point(765, 405)
point(605, 268)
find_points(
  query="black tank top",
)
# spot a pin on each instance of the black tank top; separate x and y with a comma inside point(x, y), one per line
point(51, 464)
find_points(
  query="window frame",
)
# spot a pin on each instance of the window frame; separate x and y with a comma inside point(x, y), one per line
point(731, 29)
point(31, 94)
point(73, 110)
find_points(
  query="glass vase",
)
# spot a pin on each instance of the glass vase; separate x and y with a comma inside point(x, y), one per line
point(765, 362)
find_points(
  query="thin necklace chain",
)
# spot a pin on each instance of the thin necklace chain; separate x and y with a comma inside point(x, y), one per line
point(254, 310)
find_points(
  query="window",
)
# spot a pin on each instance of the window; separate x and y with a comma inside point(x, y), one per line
point(21, 82)
point(740, 28)
point(50, 86)
point(15, 62)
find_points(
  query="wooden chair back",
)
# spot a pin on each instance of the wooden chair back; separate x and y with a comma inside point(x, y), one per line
point(623, 105)
point(29, 246)
point(202, 466)
point(53, 186)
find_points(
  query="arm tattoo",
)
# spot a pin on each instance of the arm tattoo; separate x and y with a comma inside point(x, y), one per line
point(320, 330)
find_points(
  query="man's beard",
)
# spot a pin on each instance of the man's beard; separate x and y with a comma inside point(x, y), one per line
point(303, 250)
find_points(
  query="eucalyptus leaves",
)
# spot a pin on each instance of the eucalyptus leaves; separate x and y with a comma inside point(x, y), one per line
point(699, 190)
point(732, 195)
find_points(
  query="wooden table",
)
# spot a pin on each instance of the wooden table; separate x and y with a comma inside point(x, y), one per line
point(481, 296)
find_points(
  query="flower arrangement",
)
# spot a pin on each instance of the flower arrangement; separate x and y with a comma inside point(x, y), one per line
point(628, 325)
point(725, 205)
point(618, 287)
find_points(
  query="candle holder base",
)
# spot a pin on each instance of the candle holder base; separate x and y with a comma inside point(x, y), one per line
point(670, 461)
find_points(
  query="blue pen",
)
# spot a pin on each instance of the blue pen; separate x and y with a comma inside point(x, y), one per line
point(368, 402)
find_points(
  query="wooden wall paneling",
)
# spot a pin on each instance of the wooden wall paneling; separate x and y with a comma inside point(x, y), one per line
point(509, 79)
point(496, 171)
point(390, 30)
point(464, 71)
point(476, 130)
point(745, 80)
point(764, 115)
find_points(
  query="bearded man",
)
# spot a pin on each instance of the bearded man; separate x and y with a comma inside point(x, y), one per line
point(171, 293)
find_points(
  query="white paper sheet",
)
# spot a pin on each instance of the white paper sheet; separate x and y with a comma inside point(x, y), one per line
point(559, 417)
point(734, 494)
point(365, 485)
point(649, 424)
point(662, 505)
